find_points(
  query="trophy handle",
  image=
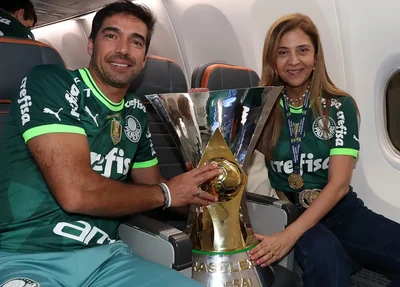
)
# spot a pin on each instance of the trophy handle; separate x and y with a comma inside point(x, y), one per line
point(269, 97)
point(162, 110)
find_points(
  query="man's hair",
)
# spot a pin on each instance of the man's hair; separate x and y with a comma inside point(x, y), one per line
point(141, 12)
point(15, 5)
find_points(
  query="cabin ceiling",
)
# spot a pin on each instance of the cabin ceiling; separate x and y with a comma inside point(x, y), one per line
point(55, 10)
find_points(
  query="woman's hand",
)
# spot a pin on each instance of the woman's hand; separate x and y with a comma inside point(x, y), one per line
point(272, 248)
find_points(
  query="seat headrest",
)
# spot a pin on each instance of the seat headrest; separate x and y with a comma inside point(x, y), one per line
point(160, 75)
point(198, 72)
point(17, 57)
point(222, 75)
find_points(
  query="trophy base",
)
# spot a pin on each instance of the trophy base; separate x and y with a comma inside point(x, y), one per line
point(229, 269)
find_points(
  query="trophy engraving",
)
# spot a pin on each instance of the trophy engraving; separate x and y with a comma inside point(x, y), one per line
point(223, 127)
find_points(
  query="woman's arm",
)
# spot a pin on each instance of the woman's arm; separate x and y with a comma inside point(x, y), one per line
point(275, 247)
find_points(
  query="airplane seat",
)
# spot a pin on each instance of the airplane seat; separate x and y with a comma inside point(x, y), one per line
point(161, 75)
point(220, 75)
point(150, 234)
point(17, 57)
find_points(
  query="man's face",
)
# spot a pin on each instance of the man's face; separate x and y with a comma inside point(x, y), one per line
point(118, 52)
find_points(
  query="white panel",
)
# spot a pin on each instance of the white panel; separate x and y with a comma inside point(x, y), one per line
point(164, 42)
point(234, 30)
point(86, 23)
point(369, 40)
point(69, 39)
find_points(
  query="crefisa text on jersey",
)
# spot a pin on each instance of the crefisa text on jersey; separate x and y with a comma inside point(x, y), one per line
point(25, 101)
point(136, 104)
point(72, 97)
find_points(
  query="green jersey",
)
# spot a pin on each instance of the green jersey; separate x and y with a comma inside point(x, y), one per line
point(11, 27)
point(317, 146)
point(52, 99)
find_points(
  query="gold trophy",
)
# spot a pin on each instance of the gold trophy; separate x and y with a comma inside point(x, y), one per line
point(223, 127)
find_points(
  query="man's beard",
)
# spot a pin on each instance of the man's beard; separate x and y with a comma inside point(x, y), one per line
point(109, 78)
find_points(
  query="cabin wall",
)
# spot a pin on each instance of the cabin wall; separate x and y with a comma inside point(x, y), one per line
point(361, 54)
point(70, 37)
point(234, 31)
point(371, 55)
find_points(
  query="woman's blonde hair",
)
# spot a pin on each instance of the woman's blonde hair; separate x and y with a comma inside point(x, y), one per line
point(320, 83)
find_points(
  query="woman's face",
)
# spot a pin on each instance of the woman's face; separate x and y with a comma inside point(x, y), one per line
point(295, 59)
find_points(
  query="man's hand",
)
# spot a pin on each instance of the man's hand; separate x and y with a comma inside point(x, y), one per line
point(184, 187)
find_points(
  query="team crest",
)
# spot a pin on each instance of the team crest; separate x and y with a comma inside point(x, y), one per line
point(20, 282)
point(133, 130)
point(116, 131)
point(319, 132)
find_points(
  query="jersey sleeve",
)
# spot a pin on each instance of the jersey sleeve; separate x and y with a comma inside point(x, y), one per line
point(11, 27)
point(47, 102)
point(145, 155)
point(345, 140)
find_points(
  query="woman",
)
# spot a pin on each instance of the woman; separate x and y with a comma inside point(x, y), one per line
point(311, 143)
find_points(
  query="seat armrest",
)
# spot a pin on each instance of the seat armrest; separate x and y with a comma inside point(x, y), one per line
point(157, 241)
point(289, 208)
point(269, 215)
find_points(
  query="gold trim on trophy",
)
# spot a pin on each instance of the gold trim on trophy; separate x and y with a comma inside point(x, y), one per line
point(295, 181)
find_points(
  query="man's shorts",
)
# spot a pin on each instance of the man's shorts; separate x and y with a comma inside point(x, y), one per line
point(106, 265)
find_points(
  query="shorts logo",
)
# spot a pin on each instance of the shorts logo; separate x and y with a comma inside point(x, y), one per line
point(20, 282)
point(116, 131)
point(318, 129)
point(133, 130)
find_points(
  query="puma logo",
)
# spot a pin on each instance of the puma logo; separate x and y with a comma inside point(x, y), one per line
point(91, 115)
point(354, 137)
point(56, 114)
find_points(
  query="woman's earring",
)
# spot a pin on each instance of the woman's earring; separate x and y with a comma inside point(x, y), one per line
point(313, 68)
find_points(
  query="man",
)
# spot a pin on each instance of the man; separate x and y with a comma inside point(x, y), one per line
point(73, 139)
point(17, 17)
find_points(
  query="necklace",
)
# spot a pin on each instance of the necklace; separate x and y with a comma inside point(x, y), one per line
point(295, 101)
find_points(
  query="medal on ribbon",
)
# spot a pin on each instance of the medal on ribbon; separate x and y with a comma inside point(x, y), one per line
point(296, 134)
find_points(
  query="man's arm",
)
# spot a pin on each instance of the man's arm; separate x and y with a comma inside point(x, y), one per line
point(64, 161)
point(148, 175)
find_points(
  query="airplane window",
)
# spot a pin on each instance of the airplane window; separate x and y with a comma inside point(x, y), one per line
point(392, 109)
